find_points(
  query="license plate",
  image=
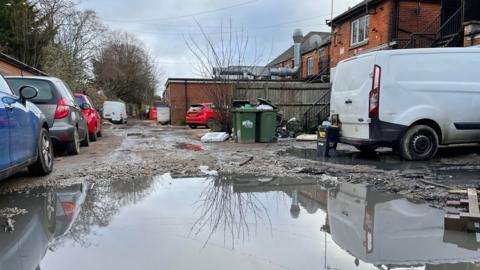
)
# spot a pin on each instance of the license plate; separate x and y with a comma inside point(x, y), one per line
point(321, 134)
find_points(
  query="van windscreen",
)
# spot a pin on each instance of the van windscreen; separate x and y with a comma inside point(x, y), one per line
point(45, 90)
point(351, 75)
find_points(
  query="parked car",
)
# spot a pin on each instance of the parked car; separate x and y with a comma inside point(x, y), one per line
point(24, 133)
point(115, 112)
point(410, 100)
point(204, 114)
point(66, 124)
point(94, 120)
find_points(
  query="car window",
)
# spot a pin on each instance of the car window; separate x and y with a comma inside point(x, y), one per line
point(45, 95)
point(80, 100)
point(4, 88)
point(196, 108)
point(66, 93)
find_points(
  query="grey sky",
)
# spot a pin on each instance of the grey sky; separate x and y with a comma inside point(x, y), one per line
point(162, 25)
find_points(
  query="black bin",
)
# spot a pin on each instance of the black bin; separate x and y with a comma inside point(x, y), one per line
point(327, 140)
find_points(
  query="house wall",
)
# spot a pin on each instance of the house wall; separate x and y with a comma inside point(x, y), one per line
point(472, 34)
point(8, 69)
point(316, 57)
point(413, 16)
point(180, 95)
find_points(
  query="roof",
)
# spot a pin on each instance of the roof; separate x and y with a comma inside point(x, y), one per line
point(20, 64)
point(355, 10)
point(311, 41)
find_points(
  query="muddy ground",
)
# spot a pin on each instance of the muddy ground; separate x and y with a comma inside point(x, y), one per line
point(144, 148)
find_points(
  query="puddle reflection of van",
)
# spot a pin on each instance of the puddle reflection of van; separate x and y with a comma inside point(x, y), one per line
point(410, 100)
point(115, 111)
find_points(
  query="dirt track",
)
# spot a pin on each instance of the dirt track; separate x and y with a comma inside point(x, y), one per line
point(144, 149)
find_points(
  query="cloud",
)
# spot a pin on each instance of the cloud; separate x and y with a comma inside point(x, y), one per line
point(163, 25)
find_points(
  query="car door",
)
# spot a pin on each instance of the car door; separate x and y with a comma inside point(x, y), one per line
point(4, 130)
point(77, 114)
point(22, 128)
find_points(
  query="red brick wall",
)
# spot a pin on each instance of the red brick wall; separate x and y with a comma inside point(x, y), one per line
point(379, 34)
point(288, 63)
point(10, 70)
point(416, 17)
point(381, 20)
point(305, 57)
point(195, 93)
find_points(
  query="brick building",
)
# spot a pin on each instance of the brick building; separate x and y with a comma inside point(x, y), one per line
point(314, 56)
point(11, 67)
point(180, 94)
point(381, 24)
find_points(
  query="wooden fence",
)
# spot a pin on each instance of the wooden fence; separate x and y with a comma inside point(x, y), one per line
point(293, 98)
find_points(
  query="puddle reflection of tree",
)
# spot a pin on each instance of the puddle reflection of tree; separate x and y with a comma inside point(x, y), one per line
point(233, 212)
point(102, 203)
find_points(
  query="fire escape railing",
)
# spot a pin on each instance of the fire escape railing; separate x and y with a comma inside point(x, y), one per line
point(317, 113)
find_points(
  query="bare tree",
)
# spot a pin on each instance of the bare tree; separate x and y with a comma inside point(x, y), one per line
point(228, 50)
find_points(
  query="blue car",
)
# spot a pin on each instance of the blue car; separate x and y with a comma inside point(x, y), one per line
point(24, 137)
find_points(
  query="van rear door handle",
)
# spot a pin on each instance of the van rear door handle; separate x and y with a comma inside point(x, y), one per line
point(348, 101)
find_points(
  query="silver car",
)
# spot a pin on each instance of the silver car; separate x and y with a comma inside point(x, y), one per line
point(67, 126)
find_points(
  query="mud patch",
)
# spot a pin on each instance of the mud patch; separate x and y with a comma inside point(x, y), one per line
point(189, 146)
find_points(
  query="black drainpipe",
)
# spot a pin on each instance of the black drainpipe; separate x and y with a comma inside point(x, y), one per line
point(395, 16)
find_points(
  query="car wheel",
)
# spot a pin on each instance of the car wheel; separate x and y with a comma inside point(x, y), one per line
point(193, 126)
point(44, 163)
point(214, 125)
point(86, 140)
point(93, 136)
point(73, 147)
point(419, 143)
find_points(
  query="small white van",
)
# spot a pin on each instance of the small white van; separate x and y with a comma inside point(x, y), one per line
point(115, 111)
point(411, 100)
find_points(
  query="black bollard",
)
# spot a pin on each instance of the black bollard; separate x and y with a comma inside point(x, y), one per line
point(327, 140)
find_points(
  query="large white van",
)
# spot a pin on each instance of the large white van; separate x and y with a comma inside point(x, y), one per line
point(410, 100)
point(115, 111)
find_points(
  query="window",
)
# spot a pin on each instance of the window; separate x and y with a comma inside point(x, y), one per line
point(310, 66)
point(4, 88)
point(45, 89)
point(359, 30)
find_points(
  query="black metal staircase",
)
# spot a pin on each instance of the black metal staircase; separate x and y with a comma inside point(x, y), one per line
point(448, 33)
point(317, 113)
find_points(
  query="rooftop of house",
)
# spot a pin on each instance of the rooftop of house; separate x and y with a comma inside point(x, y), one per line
point(311, 41)
point(19, 64)
point(355, 10)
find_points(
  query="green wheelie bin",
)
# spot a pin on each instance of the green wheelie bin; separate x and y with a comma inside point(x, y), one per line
point(245, 125)
point(266, 122)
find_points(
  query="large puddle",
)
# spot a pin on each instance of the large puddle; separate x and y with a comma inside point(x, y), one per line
point(229, 222)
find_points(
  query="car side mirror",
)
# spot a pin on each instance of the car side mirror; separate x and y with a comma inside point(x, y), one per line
point(28, 92)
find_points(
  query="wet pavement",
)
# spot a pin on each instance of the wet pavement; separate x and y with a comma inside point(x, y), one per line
point(386, 160)
point(228, 222)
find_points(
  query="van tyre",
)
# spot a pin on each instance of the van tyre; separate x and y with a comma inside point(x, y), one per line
point(419, 143)
point(73, 147)
point(44, 163)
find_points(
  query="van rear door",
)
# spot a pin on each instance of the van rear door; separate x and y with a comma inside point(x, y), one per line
point(350, 94)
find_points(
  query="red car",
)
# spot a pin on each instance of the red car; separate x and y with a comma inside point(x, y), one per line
point(90, 114)
point(204, 114)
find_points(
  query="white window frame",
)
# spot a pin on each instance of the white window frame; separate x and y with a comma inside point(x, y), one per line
point(355, 27)
point(310, 66)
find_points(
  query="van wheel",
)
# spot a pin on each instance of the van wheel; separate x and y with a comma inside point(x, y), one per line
point(419, 143)
point(73, 147)
point(44, 163)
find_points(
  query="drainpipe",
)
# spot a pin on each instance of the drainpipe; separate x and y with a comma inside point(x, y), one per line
point(297, 58)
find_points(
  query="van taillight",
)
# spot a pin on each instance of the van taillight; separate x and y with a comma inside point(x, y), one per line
point(62, 110)
point(374, 97)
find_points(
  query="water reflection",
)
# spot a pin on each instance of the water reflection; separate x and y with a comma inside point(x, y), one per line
point(235, 222)
point(49, 214)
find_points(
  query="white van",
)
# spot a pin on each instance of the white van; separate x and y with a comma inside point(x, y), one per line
point(410, 100)
point(115, 111)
